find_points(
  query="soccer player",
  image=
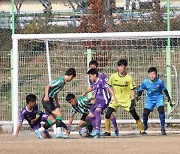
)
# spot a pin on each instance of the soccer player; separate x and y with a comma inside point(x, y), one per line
point(102, 96)
point(154, 97)
point(33, 116)
point(81, 105)
point(51, 104)
point(94, 64)
point(123, 87)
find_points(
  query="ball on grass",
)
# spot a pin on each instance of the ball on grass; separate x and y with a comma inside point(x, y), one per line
point(84, 132)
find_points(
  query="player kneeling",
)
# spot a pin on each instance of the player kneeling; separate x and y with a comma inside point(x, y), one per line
point(33, 116)
point(81, 105)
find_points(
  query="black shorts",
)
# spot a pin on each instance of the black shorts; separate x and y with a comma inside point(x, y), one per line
point(83, 118)
point(49, 106)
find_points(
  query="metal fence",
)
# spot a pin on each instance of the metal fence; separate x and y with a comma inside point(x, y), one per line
point(81, 16)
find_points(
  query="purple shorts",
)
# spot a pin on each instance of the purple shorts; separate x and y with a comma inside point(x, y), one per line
point(37, 124)
point(99, 104)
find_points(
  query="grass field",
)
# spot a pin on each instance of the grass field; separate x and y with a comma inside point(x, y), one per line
point(124, 144)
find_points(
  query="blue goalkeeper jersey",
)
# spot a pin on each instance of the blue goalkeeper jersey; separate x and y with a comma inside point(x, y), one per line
point(153, 89)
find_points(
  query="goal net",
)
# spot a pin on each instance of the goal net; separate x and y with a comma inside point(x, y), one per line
point(39, 58)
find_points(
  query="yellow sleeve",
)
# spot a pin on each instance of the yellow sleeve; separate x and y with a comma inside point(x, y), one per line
point(132, 84)
point(110, 80)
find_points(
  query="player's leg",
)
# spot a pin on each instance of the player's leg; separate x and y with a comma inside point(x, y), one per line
point(138, 121)
point(162, 119)
point(52, 109)
point(57, 112)
point(111, 108)
point(146, 113)
point(97, 114)
point(84, 122)
point(113, 120)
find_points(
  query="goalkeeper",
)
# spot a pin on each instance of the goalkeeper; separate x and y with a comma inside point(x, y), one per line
point(154, 97)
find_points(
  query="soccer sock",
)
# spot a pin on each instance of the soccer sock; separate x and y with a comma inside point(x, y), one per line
point(97, 115)
point(59, 122)
point(140, 125)
point(145, 120)
point(92, 120)
point(47, 124)
point(58, 130)
point(89, 126)
point(113, 120)
point(41, 129)
point(107, 125)
point(162, 120)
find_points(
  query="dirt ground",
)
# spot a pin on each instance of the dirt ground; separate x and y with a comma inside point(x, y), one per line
point(124, 144)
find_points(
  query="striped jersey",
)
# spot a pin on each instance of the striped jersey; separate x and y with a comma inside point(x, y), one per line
point(83, 106)
point(56, 86)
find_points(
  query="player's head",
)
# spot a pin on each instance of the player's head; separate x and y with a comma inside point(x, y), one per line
point(152, 73)
point(122, 64)
point(71, 98)
point(93, 74)
point(31, 100)
point(93, 64)
point(70, 74)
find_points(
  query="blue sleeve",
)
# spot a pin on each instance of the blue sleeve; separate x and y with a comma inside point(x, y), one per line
point(163, 87)
point(142, 87)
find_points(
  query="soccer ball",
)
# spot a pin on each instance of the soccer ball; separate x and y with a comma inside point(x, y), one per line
point(84, 132)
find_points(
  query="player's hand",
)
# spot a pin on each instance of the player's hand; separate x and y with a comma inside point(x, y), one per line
point(133, 104)
point(138, 98)
point(84, 94)
point(16, 136)
point(115, 100)
point(33, 121)
point(46, 98)
point(68, 132)
point(170, 102)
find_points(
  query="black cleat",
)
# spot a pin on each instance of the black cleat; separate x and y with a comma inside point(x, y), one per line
point(163, 132)
point(145, 128)
point(143, 133)
point(107, 134)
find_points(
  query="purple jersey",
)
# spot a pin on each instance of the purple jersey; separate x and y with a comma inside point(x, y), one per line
point(100, 89)
point(101, 76)
point(30, 115)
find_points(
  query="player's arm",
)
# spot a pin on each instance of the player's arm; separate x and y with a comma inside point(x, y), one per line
point(37, 117)
point(18, 129)
point(166, 93)
point(88, 90)
point(112, 94)
point(21, 118)
point(71, 118)
point(140, 91)
point(46, 98)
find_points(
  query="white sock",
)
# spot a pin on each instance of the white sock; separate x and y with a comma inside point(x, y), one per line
point(41, 129)
point(58, 130)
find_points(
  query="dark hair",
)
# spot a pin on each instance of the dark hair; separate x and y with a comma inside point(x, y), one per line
point(69, 97)
point(122, 62)
point(71, 71)
point(93, 71)
point(93, 62)
point(152, 69)
point(30, 97)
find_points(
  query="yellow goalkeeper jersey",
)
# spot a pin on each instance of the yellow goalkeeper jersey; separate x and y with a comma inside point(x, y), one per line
point(122, 86)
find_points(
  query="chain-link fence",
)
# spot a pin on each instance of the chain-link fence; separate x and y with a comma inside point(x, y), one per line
point(45, 16)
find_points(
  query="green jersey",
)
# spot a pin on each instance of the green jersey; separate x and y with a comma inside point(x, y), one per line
point(56, 86)
point(83, 106)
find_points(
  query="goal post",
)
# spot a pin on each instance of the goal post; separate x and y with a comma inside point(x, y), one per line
point(141, 49)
